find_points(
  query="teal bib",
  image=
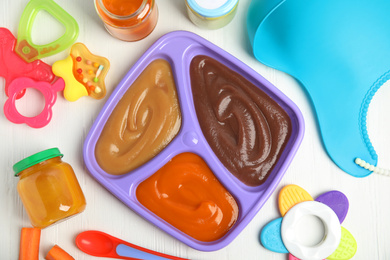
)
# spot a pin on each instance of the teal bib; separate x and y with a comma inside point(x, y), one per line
point(339, 50)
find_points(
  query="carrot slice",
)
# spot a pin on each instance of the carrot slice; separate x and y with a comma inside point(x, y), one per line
point(29, 243)
point(57, 253)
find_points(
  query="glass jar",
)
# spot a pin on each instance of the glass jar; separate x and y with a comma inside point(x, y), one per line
point(211, 14)
point(128, 20)
point(48, 188)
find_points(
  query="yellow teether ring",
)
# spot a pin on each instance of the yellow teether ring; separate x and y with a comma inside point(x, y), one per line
point(83, 72)
point(291, 195)
point(347, 247)
point(73, 89)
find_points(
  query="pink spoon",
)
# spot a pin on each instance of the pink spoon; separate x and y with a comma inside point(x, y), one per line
point(98, 243)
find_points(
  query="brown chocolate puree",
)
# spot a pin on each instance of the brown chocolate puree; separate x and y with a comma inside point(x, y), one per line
point(143, 123)
point(245, 127)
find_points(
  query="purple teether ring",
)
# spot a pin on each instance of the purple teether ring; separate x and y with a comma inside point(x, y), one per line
point(48, 91)
point(337, 201)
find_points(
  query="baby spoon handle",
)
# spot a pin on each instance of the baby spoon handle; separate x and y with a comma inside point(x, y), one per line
point(97, 243)
point(134, 253)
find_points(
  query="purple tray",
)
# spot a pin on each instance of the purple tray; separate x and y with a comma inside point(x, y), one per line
point(178, 48)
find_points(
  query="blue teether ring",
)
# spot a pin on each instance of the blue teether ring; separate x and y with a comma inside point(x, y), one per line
point(271, 236)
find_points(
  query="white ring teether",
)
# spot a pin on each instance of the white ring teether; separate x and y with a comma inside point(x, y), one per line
point(332, 235)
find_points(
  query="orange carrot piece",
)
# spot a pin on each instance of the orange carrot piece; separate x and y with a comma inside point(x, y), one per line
point(29, 243)
point(57, 253)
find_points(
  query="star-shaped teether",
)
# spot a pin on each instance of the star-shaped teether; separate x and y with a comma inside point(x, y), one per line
point(339, 51)
point(83, 73)
point(295, 204)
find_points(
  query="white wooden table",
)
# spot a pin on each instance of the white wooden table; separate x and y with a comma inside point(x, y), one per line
point(312, 169)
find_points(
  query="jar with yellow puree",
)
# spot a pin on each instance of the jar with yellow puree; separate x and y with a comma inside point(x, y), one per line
point(48, 188)
point(128, 20)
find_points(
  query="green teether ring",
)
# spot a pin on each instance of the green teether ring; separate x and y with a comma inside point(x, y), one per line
point(26, 49)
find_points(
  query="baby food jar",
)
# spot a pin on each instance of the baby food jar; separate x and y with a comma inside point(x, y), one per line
point(211, 14)
point(128, 20)
point(48, 188)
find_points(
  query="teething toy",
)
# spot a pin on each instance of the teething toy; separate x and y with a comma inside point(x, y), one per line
point(329, 219)
point(83, 73)
point(30, 51)
point(12, 66)
point(294, 204)
point(48, 91)
point(291, 195)
point(341, 62)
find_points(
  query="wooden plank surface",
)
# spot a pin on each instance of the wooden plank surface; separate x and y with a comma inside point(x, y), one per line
point(312, 169)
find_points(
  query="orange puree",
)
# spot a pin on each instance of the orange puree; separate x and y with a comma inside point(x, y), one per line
point(128, 20)
point(122, 7)
point(143, 122)
point(186, 194)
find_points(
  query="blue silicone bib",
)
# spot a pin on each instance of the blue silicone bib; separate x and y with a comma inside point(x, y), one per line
point(339, 51)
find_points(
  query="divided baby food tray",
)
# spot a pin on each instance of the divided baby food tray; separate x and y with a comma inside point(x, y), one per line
point(179, 49)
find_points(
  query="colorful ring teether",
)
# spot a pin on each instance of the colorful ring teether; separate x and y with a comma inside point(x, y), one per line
point(30, 51)
point(48, 91)
point(331, 208)
point(330, 221)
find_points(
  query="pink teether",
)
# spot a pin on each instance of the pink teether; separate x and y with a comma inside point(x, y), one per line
point(291, 257)
point(48, 91)
point(12, 66)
